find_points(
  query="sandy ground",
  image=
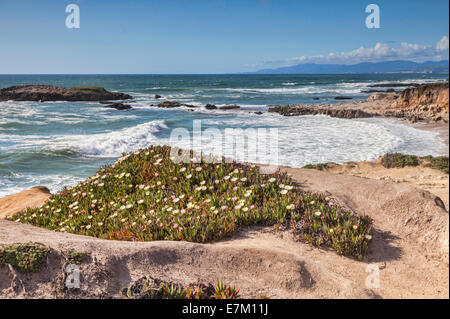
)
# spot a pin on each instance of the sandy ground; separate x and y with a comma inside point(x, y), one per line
point(409, 249)
point(15, 203)
point(421, 177)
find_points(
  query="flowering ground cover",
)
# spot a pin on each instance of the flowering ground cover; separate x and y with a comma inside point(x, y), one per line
point(147, 196)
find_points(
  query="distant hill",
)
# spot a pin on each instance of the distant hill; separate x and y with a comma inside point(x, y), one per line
point(399, 66)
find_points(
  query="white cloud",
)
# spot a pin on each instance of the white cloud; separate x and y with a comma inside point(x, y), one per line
point(442, 45)
point(380, 52)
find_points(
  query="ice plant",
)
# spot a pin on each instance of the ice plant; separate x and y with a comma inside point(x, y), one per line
point(147, 196)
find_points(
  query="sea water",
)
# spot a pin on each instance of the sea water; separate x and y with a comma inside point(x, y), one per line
point(58, 144)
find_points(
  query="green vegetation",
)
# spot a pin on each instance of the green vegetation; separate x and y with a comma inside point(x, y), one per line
point(399, 160)
point(149, 288)
point(441, 163)
point(24, 257)
point(87, 89)
point(148, 196)
point(319, 167)
point(76, 257)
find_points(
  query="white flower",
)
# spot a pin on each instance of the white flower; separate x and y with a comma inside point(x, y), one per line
point(283, 192)
point(243, 179)
point(189, 176)
point(290, 207)
point(94, 201)
point(181, 196)
point(245, 209)
point(122, 207)
point(101, 184)
point(198, 169)
point(288, 187)
point(127, 175)
point(129, 206)
point(58, 210)
point(273, 179)
point(140, 201)
point(176, 200)
point(317, 213)
point(88, 226)
point(369, 237)
point(226, 177)
point(202, 183)
point(234, 179)
point(182, 169)
point(100, 224)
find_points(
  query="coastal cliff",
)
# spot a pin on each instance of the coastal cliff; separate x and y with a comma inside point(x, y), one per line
point(426, 102)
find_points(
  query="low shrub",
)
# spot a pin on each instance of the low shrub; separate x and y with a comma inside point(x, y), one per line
point(25, 258)
point(399, 160)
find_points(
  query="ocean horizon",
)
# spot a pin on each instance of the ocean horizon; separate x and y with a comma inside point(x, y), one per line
point(58, 144)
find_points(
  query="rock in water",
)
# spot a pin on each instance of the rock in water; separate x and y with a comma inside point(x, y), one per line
point(171, 104)
point(229, 107)
point(119, 106)
point(44, 93)
point(343, 98)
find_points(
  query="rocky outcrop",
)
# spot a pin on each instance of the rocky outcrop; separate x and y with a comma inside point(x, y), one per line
point(13, 204)
point(343, 98)
point(210, 107)
point(424, 102)
point(172, 104)
point(119, 106)
point(428, 94)
point(229, 107)
point(44, 93)
point(301, 109)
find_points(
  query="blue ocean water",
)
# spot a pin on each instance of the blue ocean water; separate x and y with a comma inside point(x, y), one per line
point(58, 144)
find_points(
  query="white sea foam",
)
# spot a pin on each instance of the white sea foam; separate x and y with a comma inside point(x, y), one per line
point(297, 90)
point(317, 139)
point(110, 144)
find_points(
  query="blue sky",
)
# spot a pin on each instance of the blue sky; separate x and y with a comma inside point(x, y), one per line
point(213, 36)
